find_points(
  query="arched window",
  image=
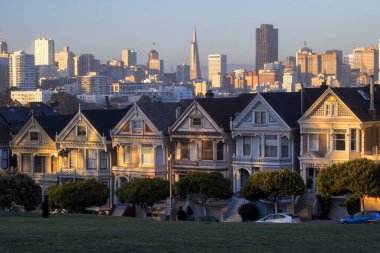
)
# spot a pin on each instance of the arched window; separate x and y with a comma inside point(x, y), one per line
point(219, 151)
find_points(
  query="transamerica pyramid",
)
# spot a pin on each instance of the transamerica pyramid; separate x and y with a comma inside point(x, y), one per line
point(195, 68)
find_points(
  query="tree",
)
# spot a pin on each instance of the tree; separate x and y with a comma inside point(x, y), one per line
point(64, 103)
point(75, 197)
point(273, 185)
point(205, 188)
point(144, 191)
point(18, 188)
point(248, 211)
point(145, 99)
point(6, 100)
point(360, 177)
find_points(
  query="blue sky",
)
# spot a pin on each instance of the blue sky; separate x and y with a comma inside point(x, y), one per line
point(104, 27)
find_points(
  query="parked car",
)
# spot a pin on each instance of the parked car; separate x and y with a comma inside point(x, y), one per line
point(360, 217)
point(280, 218)
point(206, 219)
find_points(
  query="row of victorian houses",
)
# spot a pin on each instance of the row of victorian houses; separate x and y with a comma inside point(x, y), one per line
point(301, 131)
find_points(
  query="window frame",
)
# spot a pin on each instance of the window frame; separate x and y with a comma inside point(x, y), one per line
point(91, 160)
point(353, 141)
point(341, 140)
point(34, 133)
point(331, 109)
point(267, 152)
point(206, 152)
point(247, 146)
point(262, 119)
point(4, 158)
point(196, 125)
point(283, 146)
point(78, 131)
point(103, 160)
point(310, 147)
point(127, 153)
point(220, 151)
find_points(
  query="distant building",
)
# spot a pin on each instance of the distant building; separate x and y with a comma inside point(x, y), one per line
point(155, 65)
point(65, 62)
point(290, 62)
point(308, 65)
point(4, 71)
point(183, 73)
point(349, 59)
point(44, 51)
point(22, 71)
point(129, 57)
point(366, 60)
point(46, 72)
point(87, 63)
point(195, 67)
point(331, 62)
point(217, 69)
point(289, 80)
point(27, 96)
point(266, 45)
point(200, 88)
point(3, 47)
point(93, 83)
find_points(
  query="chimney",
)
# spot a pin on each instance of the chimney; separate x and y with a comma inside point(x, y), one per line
point(177, 112)
point(372, 109)
point(302, 99)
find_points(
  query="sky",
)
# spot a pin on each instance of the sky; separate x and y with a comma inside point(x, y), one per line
point(105, 27)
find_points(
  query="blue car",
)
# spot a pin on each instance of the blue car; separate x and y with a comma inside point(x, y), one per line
point(360, 217)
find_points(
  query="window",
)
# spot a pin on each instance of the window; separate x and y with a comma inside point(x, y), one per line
point(137, 125)
point(260, 118)
point(185, 150)
point(34, 136)
point(284, 147)
point(127, 153)
point(147, 154)
point(313, 142)
point(103, 160)
point(270, 146)
point(4, 159)
point(73, 155)
point(196, 122)
point(353, 140)
point(331, 109)
point(38, 164)
point(219, 151)
point(246, 145)
point(92, 158)
point(81, 131)
point(207, 150)
point(339, 141)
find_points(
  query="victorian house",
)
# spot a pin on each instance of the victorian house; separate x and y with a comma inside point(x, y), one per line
point(142, 142)
point(342, 125)
point(202, 135)
point(267, 136)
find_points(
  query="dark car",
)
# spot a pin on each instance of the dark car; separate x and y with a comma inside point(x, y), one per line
point(206, 219)
point(360, 217)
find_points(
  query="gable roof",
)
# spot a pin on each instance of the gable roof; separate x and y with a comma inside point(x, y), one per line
point(311, 95)
point(53, 124)
point(104, 120)
point(286, 104)
point(221, 109)
point(161, 114)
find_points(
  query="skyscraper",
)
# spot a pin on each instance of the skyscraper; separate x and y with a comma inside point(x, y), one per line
point(217, 69)
point(331, 62)
point(155, 65)
point(65, 62)
point(3, 47)
point(183, 73)
point(195, 68)
point(44, 51)
point(266, 45)
point(308, 65)
point(87, 63)
point(366, 60)
point(129, 57)
point(22, 71)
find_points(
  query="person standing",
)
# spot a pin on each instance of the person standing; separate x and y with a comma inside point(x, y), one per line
point(45, 207)
point(189, 214)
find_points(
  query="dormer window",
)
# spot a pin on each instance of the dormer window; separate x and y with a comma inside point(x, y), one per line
point(81, 131)
point(260, 118)
point(331, 107)
point(34, 136)
point(196, 122)
point(137, 126)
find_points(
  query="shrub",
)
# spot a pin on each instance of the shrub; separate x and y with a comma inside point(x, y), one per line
point(324, 207)
point(352, 204)
point(248, 211)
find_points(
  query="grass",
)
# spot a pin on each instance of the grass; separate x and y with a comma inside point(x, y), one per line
point(92, 233)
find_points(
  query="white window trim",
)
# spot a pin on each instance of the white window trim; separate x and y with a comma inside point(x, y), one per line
point(254, 117)
point(329, 112)
point(38, 134)
point(308, 142)
point(195, 126)
point(81, 126)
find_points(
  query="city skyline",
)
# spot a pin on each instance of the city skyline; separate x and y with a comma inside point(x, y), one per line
point(233, 35)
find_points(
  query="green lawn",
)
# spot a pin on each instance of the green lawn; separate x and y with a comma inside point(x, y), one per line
point(92, 233)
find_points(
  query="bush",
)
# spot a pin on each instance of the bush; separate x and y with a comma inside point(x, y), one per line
point(352, 204)
point(249, 211)
point(324, 207)
point(18, 188)
point(75, 197)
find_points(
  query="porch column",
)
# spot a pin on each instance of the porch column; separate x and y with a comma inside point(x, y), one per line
point(278, 146)
point(97, 160)
point(84, 159)
point(301, 144)
point(262, 136)
point(32, 163)
point(214, 150)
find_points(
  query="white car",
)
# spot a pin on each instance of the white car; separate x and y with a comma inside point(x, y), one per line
point(279, 218)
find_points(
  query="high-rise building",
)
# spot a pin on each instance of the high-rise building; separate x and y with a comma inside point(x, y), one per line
point(217, 69)
point(129, 57)
point(93, 83)
point(87, 63)
point(195, 67)
point(155, 65)
point(183, 73)
point(308, 65)
point(44, 51)
point(65, 62)
point(4, 71)
point(22, 71)
point(366, 60)
point(266, 45)
point(3, 47)
point(331, 62)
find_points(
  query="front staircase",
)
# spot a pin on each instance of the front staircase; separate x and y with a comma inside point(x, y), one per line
point(304, 205)
point(119, 210)
point(232, 214)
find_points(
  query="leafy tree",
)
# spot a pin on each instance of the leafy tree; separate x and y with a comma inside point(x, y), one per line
point(145, 99)
point(352, 204)
point(205, 188)
point(144, 191)
point(273, 185)
point(64, 102)
point(248, 211)
point(360, 177)
point(18, 188)
point(75, 197)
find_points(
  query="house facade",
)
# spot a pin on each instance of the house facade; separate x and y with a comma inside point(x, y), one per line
point(267, 136)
